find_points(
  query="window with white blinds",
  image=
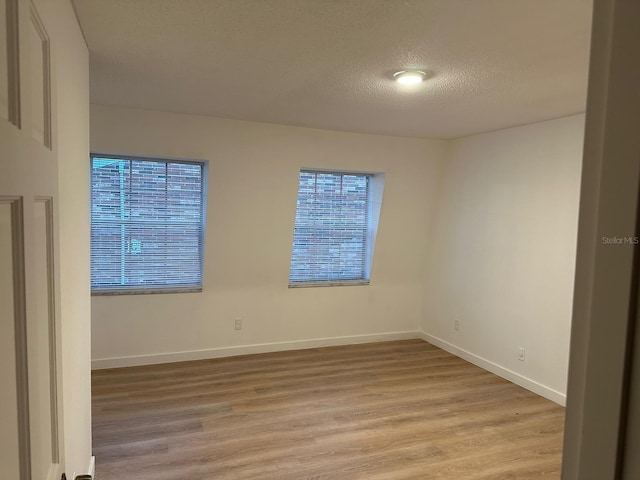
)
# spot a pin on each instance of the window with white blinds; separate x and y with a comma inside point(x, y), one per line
point(331, 231)
point(147, 225)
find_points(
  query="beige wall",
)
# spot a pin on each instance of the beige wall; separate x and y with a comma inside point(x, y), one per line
point(253, 174)
point(503, 251)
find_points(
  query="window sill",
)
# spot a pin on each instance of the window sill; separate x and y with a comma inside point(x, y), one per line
point(329, 283)
point(151, 291)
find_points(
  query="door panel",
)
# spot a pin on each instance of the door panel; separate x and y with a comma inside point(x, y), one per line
point(9, 440)
point(40, 81)
point(9, 44)
point(4, 76)
point(43, 390)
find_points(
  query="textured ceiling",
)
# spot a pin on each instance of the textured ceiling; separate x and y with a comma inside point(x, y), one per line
point(328, 63)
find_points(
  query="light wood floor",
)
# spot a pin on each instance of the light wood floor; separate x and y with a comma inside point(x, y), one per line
point(393, 410)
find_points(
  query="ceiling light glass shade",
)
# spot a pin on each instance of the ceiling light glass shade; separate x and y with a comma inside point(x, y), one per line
point(409, 77)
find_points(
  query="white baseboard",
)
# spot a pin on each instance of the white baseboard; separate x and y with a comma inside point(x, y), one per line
point(102, 363)
point(535, 387)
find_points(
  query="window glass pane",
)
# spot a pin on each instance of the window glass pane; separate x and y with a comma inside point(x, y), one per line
point(331, 228)
point(147, 225)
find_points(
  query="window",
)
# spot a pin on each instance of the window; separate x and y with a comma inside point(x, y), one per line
point(147, 225)
point(331, 232)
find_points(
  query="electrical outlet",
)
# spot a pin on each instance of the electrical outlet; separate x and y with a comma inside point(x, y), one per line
point(456, 325)
point(521, 354)
point(238, 324)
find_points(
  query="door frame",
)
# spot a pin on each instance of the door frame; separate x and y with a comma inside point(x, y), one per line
point(606, 281)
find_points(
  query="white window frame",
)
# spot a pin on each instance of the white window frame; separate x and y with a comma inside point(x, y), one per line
point(374, 200)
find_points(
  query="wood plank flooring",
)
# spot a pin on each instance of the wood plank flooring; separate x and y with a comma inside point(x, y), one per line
point(392, 410)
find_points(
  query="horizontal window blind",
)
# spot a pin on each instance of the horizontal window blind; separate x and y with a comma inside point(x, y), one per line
point(147, 225)
point(331, 229)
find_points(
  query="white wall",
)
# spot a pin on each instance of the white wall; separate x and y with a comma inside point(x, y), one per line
point(253, 175)
point(503, 247)
point(498, 255)
point(70, 59)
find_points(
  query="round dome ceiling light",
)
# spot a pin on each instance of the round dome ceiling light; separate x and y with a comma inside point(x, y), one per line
point(409, 77)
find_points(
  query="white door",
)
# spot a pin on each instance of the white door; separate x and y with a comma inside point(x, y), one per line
point(30, 442)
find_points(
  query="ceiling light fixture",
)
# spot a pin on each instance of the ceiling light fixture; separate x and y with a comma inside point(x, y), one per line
point(409, 77)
